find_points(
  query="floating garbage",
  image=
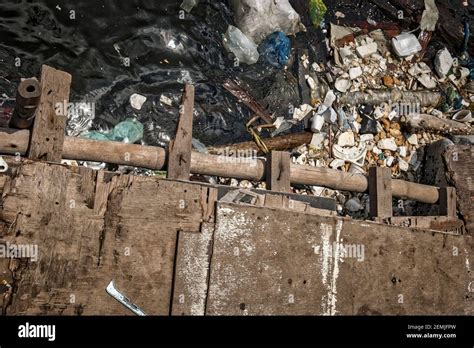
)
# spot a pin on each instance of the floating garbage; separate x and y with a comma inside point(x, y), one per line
point(354, 154)
point(368, 126)
point(346, 139)
point(463, 116)
point(258, 19)
point(166, 100)
point(275, 49)
point(355, 73)
point(317, 123)
point(188, 5)
point(244, 49)
point(354, 205)
point(342, 85)
point(317, 11)
point(199, 146)
point(137, 101)
point(406, 45)
point(129, 131)
point(301, 112)
point(388, 144)
point(443, 62)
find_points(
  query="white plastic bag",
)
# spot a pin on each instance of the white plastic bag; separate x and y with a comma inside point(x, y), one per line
point(241, 46)
point(259, 18)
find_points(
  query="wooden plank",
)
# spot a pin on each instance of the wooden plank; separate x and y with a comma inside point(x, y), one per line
point(131, 240)
point(278, 143)
point(447, 201)
point(88, 185)
point(179, 160)
point(192, 271)
point(436, 223)
point(47, 137)
point(274, 201)
point(38, 212)
point(380, 192)
point(258, 253)
point(460, 171)
point(141, 232)
point(278, 171)
point(208, 201)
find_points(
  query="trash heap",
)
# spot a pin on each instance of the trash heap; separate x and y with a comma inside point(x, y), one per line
point(377, 102)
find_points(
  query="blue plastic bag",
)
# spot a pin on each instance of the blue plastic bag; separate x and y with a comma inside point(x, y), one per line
point(275, 49)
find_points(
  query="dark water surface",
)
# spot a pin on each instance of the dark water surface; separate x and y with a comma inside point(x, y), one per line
point(164, 49)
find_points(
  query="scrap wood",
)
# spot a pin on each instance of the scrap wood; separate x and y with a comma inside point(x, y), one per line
point(374, 97)
point(244, 97)
point(437, 125)
point(280, 143)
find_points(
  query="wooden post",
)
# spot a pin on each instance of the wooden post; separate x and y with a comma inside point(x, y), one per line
point(179, 160)
point(447, 201)
point(380, 192)
point(47, 137)
point(278, 171)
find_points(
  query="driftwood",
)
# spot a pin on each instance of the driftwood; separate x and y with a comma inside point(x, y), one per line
point(280, 143)
point(205, 164)
point(437, 125)
point(371, 97)
point(244, 97)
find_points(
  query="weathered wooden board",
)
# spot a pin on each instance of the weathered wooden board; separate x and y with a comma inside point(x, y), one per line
point(278, 262)
point(278, 171)
point(44, 208)
point(460, 170)
point(192, 272)
point(253, 260)
point(179, 159)
point(140, 241)
point(48, 133)
point(380, 191)
point(130, 237)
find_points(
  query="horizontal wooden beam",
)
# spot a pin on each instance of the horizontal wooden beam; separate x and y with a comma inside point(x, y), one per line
point(12, 142)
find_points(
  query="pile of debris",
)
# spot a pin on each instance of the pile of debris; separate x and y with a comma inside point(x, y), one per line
point(378, 103)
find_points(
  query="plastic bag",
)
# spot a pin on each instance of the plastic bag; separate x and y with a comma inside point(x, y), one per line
point(129, 131)
point(275, 49)
point(188, 5)
point(241, 46)
point(259, 18)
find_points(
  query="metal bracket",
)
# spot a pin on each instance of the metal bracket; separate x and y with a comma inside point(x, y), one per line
point(112, 291)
